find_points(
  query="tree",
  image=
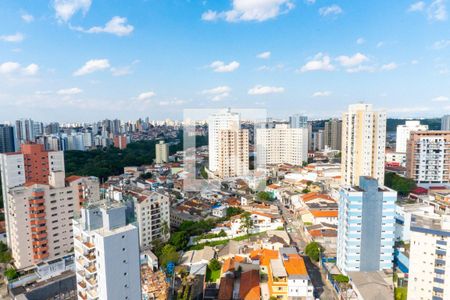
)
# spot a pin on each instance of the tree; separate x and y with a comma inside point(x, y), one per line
point(179, 240)
point(313, 250)
point(398, 183)
point(147, 175)
point(214, 265)
point(264, 196)
point(233, 211)
point(5, 257)
point(11, 274)
point(203, 173)
point(247, 222)
point(168, 254)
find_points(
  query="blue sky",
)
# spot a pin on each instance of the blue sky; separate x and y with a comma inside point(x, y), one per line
point(83, 60)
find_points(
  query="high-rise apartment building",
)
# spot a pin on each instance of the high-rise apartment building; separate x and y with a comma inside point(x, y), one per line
point(6, 138)
point(366, 227)
point(162, 152)
point(363, 143)
point(428, 157)
point(298, 121)
point(40, 203)
point(445, 123)
point(120, 141)
point(429, 269)
point(318, 140)
point(282, 144)
point(226, 120)
point(106, 254)
point(152, 211)
point(333, 134)
point(233, 156)
point(404, 132)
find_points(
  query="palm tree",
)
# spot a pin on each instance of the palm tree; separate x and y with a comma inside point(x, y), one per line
point(247, 223)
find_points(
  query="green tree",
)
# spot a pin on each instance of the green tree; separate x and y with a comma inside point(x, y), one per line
point(313, 250)
point(179, 239)
point(214, 264)
point(398, 183)
point(203, 173)
point(247, 222)
point(11, 274)
point(264, 196)
point(168, 254)
point(233, 211)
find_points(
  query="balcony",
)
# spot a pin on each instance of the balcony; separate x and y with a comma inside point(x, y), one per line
point(39, 243)
point(90, 256)
point(39, 229)
point(36, 201)
point(40, 236)
point(40, 256)
point(82, 285)
point(92, 282)
point(91, 269)
point(40, 249)
point(35, 215)
point(92, 294)
point(82, 295)
point(89, 245)
point(38, 222)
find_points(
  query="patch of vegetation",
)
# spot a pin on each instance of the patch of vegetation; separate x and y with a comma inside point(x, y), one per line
point(204, 236)
point(233, 211)
point(11, 273)
point(340, 278)
point(398, 183)
point(203, 173)
point(401, 293)
point(313, 250)
point(264, 196)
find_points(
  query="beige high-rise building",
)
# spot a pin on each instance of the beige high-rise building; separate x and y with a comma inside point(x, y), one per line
point(428, 157)
point(282, 145)
point(363, 143)
point(162, 152)
point(233, 153)
point(333, 134)
point(225, 120)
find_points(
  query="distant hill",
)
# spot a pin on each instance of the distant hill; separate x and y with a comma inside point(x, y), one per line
point(433, 124)
point(391, 126)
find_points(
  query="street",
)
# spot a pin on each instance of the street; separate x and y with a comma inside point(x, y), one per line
point(295, 229)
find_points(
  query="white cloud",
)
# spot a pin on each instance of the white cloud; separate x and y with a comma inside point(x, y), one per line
point(146, 95)
point(69, 91)
point(417, 6)
point(310, 1)
point(121, 71)
point(360, 41)
point(117, 25)
point(210, 15)
point(251, 10)
point(172, 102)
point(389, 67)
point(441, 44)
point(264, 55)
point(380, 44)
point(91, 66)
point(221, 67)
point(361, 68)
point(351, 61)
point(270, 68)
point(322, 94)
point(31, 69)
point(217, 93)
point(437, 10)
point(65, 9)
point(13, 38)
point(330, 10)
point(265, 90)
point(27, 18)
point(320, 62)
point(414, 62)
point(9, 67)
point(440, 99)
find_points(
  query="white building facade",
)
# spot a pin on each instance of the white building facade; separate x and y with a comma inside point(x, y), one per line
point(106, 254)
point(403, 133)
point(282, 145)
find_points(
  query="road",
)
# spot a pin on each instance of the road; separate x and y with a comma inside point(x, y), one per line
point(295, 229)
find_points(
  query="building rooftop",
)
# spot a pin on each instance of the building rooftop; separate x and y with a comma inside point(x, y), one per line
point(371, 285)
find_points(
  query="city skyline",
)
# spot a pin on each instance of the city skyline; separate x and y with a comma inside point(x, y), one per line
point(98, 59)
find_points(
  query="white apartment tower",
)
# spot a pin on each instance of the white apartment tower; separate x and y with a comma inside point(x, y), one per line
point(217, 122)
point(228, 145)
point(429, 269)
point(363, 143)
point(403, 133)
point(106, 254)
point(282, 144)
point(162, 152)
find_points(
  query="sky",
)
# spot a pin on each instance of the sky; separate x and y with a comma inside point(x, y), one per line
point(85, 60)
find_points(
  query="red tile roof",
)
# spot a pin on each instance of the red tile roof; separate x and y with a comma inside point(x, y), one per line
point(249, 288)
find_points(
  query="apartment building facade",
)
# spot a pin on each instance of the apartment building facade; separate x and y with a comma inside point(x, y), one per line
point(106, 254)
point(428, 157)
point(233, 153)
point(162, 152)
point(429, 269)
point(333, 134)
point(404, 132)
point(366, 227)
point(363, 143)
point(281, 144)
